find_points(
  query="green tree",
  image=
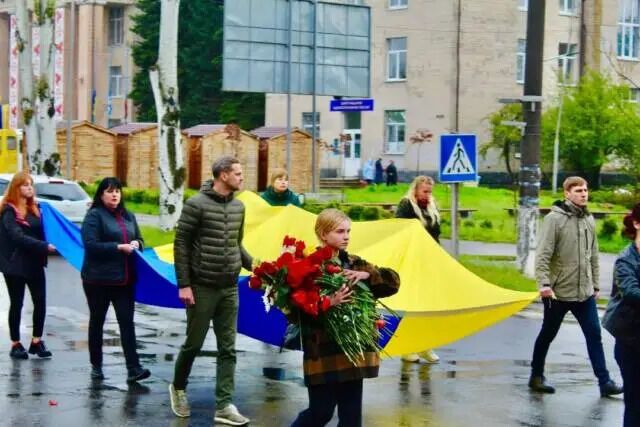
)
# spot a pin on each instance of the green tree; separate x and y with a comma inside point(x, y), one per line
point(504, 139)
point(598, 124)
point(199, 68)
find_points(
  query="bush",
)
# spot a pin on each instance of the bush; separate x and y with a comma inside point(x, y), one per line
point(355, 212)
point(468, 223)
point(486, 224)
point(609, 228)
point(371, 213)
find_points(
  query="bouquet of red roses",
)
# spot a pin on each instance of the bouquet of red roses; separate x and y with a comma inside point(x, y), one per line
point(298, 282)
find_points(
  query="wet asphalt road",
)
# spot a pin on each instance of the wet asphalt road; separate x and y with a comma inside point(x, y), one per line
point(481, 380)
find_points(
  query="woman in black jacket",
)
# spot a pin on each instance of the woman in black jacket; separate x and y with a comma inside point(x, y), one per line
point(23, 256)
point(110, 235)
point(622, 317)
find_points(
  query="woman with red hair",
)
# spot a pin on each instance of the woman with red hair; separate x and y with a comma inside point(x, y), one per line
point(23, 256)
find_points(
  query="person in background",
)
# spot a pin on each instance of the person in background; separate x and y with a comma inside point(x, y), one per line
point(622, 317)
point(379, 171)
point(567, 273)
point(368, 171)
point(392, 173)
point(110, 235)
point(278, 193)
point(23, 257)
point(419, 204)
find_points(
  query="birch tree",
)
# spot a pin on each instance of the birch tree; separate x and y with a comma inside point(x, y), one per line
point(164, 82)
point(36, 102)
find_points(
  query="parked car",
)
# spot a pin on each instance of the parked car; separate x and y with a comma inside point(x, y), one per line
point(64, 195)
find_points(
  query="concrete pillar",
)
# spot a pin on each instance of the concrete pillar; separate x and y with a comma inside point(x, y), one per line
point(90, 49)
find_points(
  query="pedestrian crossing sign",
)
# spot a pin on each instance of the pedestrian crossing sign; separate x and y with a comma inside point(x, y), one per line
point(458, 158)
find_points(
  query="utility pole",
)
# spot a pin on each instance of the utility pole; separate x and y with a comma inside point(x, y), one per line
point(530, 145)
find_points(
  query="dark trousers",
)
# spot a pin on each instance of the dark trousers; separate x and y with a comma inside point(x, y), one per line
point(628, 359)
point(38, 290)
point(587, 315)
point(322, 403)
point(122, 297)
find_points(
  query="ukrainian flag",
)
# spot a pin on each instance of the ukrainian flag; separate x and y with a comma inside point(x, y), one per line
point(439, 300)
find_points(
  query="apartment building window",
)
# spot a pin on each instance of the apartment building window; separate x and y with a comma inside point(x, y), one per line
point(628, 29)
point(395, 124)
point(634, 95)
point(567, 62)
point(115, 81)
point(116, 26)
point(307, 123)
point(523, 4)
point(398, 4)
point(521, 57)
point(568, 7)
point(397, 58)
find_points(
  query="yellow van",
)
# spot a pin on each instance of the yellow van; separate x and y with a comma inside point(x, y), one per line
point(8, 151)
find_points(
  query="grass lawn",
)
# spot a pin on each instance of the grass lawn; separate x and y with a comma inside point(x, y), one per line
point(153, 236)
point(143, 208)
point(491, 223)
point(500, 271)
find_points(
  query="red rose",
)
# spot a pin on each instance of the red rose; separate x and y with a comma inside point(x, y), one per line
point(325, 304)
point(284, 260)
point(269, 268)
point(333, 269)
point(298, 271)
point(300, 247)
point(255, 282)
point(288, 241)
point(321, 255)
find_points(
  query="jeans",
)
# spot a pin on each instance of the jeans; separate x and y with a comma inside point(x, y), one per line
point(628, 359)
point(587, 315)
point(221, 307)
point(37, 288)
point(322, 403)
point(99, 297)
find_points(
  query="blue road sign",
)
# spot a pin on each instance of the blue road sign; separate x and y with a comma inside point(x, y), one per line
point(458, 158)
point(365, 104)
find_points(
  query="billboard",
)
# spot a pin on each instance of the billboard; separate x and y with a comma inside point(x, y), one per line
point(256, 47)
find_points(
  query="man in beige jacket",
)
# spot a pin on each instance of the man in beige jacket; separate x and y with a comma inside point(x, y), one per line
point(567, 273)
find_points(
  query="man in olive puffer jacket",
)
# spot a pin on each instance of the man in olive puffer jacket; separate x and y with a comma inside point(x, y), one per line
point(208, 256)
point(567, 272)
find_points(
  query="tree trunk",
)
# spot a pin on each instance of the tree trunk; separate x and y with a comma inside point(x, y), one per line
point(46, 110)
point(27, 101)
point(164, 82)
point(36, 102)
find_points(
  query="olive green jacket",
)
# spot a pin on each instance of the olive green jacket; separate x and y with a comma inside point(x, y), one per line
point(208, 247)
point(567, 253)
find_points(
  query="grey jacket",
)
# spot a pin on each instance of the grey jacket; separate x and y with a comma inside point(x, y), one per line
point(567, 253)
point(208, 247)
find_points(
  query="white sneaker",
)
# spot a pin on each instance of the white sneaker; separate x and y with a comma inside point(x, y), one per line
point(229, 415)
point(411, 358)
point(179, 402)
point(430, 356)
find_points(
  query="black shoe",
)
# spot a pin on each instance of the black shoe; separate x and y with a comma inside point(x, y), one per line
point(541, 385)
point(18, 352)
point(96, 373)
point(610, 388)
point(40, 349)
point(137, 374)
